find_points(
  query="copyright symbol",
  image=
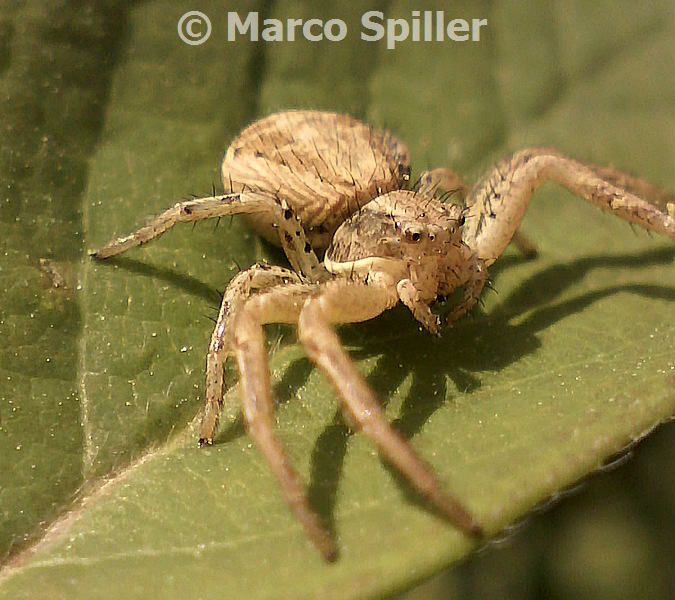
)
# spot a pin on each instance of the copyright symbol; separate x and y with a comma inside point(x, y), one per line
point(194, 28)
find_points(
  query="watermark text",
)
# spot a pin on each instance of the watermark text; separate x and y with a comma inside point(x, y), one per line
point(194, 28)
point(423, 26)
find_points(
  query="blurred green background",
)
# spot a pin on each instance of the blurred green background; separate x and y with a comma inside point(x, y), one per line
point(108, 116)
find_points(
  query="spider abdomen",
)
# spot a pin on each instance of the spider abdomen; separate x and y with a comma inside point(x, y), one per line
point(325, 165)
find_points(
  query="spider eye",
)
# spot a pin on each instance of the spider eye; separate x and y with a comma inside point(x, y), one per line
point(462, 220)
point(413, 235)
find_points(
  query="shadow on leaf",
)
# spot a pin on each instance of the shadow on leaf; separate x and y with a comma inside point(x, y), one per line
point(478, 343)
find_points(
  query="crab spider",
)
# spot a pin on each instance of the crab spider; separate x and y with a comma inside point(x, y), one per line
point(335, 194)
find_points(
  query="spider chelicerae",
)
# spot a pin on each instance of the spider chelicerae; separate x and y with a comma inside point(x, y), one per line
point(336, 195)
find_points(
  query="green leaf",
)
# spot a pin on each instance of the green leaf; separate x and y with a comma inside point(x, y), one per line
point(108, 117)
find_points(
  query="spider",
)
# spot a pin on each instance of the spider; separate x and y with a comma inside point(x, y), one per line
point(336, 195)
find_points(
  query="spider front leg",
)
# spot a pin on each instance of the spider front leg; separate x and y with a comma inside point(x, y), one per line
point(238, 291)
point(292, 237)
point(281, 305)
point(498, 202)
point(347, 302)
point(430, 182)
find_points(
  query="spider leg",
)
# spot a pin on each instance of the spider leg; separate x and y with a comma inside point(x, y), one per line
point(497, 203)
point(291, 233)
point(238, 291)
point(187, 210)
point(472, 291)
point(350, 302)
point(638, 186)
point(447, 179)
point(442, 178)
point(282, 306)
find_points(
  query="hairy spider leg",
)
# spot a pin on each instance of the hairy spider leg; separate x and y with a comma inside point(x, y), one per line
point(347, 302)
point(238, 291)
point(314, 309)
point(638, 186)
point(280, 305)
point(430, 182)
point(291, 233)
point(475, 282)
point(497, 203)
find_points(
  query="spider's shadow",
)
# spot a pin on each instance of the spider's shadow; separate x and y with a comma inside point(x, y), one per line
point(187, 283)
point(501, 343)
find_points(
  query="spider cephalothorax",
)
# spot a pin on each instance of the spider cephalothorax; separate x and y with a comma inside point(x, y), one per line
point(410, 239)
point(320, 183)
